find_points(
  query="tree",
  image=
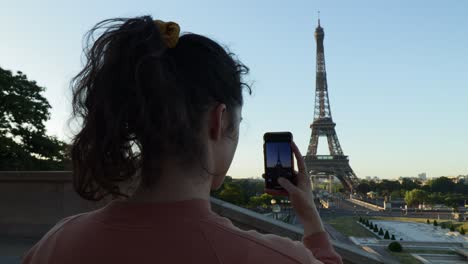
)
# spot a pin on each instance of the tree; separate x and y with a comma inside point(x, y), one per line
point(372, 185)
point(363, 188)
point(454, 200)
point(386, 187)
point(381, 232)
point(231, 193)
point(24, 144)
point(408, 184)
point(415, 197)
point(452, 228)
point(387, 235)
point(461, 187)
point(395, 194)
point(435, 198)
point(435, 223)
point(395, 247)
point(441, 184)
point(263, 200)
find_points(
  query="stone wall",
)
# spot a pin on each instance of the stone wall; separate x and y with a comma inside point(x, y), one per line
point(32, 202)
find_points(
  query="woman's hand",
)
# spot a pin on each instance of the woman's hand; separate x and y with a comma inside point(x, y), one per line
point(301, 197)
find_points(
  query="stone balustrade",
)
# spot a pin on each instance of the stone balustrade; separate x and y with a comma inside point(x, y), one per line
point(32, 202)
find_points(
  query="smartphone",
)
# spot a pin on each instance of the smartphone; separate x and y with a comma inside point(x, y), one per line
point(278, 160)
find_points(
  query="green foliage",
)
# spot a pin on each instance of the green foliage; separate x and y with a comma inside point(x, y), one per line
point(452, 228)
point(396, 194)
point(462, 230)
point(395, 247)
point(415, 197)
point(387, 235)
point(244, 192)
point(441, 184)
point(360, 219)
point(376, 229)
point(263, 200)
point(393, 237)
point(443, 225)
point(453, 200)
point(427, 221)
point(434, 198)
point(24, 144)
point(371, 226)
point(461, 187)
point(366, 222)
point(435, 223)
point(231, 193)
point(408, 184)
point(381, 233)
point(363, 188)
point(438, 191)
point(386, 187)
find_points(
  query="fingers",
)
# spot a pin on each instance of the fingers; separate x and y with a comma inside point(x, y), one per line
point(287, 185)
point(300, 160)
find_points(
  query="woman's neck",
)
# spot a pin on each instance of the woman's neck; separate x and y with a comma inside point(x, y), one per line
point(175, 187)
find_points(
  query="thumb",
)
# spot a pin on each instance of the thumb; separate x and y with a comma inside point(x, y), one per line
point(290, 188)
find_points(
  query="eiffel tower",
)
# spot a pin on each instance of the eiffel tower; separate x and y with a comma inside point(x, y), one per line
point(336, 164)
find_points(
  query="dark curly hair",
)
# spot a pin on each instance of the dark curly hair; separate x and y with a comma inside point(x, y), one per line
point(140, 101)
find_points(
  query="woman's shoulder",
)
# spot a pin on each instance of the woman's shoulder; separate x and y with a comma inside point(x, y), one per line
point(46, 245)
point(251, 243)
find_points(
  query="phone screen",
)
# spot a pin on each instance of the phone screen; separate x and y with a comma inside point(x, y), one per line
point(278, 159)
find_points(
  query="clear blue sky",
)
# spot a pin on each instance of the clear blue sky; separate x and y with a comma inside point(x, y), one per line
point(397, 71)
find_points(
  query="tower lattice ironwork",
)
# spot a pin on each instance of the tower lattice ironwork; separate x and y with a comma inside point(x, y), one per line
point(336, 164)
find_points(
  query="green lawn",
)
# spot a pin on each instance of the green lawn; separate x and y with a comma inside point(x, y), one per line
point(347, 226)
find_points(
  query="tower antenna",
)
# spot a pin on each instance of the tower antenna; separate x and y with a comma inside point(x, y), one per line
point(318, 18)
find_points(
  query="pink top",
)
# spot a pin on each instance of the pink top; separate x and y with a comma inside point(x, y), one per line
point(176, 232)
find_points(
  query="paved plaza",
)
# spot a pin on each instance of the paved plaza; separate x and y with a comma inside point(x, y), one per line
point(420, 232)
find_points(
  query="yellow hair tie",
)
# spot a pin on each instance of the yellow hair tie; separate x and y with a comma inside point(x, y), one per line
point(169, 31)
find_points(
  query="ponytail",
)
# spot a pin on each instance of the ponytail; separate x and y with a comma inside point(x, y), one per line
point(141, 102)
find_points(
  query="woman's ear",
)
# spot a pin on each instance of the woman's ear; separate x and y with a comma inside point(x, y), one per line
point(217, 121)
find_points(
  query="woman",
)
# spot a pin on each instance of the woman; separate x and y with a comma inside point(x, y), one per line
point(162, 113)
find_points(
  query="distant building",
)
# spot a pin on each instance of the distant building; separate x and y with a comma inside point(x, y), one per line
point(465, 179)
point(459, 178)
point(422, 176)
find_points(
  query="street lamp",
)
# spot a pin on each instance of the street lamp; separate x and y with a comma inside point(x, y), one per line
point(275, 208)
